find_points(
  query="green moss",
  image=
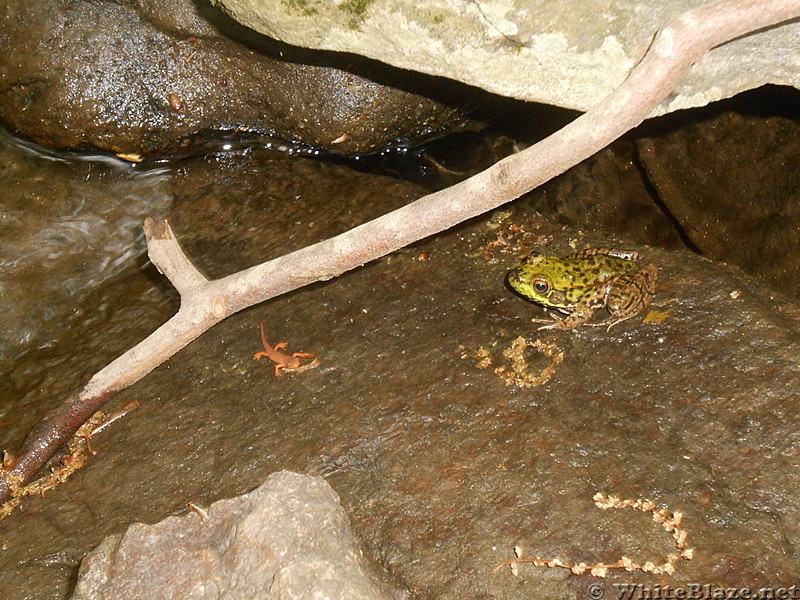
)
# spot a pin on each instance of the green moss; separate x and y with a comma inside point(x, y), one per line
point(305, 7)
point(357, 7)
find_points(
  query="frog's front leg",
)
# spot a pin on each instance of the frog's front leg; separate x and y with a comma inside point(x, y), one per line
point(582, 313)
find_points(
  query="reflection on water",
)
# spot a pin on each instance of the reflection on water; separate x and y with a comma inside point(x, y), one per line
point(67, 224)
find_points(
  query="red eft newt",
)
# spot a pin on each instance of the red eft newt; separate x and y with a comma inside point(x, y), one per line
point(281, 359)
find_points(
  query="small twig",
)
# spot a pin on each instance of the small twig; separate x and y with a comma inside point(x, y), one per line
point(113, 418)
point(199, 510)
point(205, 303)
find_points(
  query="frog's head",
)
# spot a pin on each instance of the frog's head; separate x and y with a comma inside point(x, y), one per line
point(545, 280)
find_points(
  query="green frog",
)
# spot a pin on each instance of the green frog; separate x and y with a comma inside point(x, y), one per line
point(583, 284)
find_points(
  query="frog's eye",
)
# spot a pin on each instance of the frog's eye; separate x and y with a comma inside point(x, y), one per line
point(542, 286)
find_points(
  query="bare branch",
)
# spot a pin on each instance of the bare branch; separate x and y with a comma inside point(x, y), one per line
point(204, 303)
point(168, 257)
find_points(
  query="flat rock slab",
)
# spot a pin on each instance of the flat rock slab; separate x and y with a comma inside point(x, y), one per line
point(569, 53)
point(441, 466)
point(289, 538)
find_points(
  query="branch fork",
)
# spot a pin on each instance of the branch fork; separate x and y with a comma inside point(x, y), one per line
point(168, 257)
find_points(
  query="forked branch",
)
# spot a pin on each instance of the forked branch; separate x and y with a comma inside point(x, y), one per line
point(206, 302)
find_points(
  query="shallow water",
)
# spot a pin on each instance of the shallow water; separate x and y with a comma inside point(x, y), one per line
point(68, 223)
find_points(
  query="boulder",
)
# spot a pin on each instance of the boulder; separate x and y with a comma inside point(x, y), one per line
point(570, 53)
point(158, 79)
point(288, 539)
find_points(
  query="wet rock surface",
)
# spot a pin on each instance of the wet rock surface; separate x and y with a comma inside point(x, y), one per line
point(289, 538)
point(161, 79)
point(442, 467)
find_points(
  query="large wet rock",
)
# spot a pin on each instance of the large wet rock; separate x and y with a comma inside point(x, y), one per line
point(731, 180)
point(608, 192)
point(158, 79)
point(287, 539)
point(570, 53)
point(723, 180)
point(441, 466)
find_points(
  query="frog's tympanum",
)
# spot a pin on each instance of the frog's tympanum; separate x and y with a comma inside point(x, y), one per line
point(585, 283)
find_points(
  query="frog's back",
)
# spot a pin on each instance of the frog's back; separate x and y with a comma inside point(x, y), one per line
point(592, 268)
